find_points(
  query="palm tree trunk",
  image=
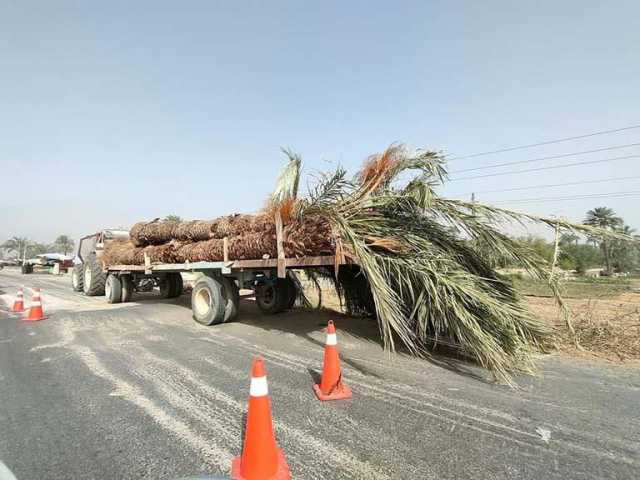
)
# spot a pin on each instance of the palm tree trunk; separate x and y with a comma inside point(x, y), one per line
point(607, 259)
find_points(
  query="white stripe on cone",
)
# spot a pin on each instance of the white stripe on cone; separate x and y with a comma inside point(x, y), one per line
point(332, 339)
point(36, 303)
point(259, 387)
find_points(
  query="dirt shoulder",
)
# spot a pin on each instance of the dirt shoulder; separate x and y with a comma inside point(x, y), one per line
point(606, 328)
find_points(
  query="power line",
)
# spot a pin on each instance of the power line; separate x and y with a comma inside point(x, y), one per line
point(551, 157)
point(551, 167)
point(548, 142)
point(572, 197)
point(532, 187)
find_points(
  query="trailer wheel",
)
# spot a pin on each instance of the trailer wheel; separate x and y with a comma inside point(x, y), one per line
point(127, 288)
point(171, 285)
point(113, 289)
point(207, 302)
point(165, 285)
point(231, 295)
point(26, 269)
point(77, 277)
point(272, 297)
point(176, 285)
point(93, 277)
point(292, 292)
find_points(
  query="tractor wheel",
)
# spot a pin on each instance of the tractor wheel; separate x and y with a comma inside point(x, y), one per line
point(93, 278)
point(77, 277)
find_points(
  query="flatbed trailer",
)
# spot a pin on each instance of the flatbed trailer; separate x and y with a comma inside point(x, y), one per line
point(215, 296)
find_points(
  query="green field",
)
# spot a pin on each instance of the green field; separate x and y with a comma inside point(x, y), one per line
point(576, 288)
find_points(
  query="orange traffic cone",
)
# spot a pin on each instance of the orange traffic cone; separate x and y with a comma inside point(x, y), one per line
point(35, 312)
point(18, 305)
point(261, 458)
point(331, 386)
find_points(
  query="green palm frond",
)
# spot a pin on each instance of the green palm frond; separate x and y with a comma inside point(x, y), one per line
point(430, 262)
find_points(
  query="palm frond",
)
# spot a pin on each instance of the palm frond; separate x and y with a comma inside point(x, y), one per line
point(428, 260)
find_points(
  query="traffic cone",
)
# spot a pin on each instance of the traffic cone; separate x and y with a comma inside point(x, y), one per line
point(331, 386)
point(35, 312)
point(18, 305)
point(261, 458)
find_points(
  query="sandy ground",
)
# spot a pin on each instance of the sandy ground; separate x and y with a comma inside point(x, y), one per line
point(607, 328)
point(142, 391)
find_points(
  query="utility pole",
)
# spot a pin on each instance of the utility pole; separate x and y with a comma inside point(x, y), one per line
point(556, 249)
point(473, 197)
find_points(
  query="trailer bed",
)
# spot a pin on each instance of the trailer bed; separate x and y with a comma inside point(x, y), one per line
point(225, 267)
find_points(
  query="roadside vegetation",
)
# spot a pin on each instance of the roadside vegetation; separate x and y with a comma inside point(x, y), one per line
point(19, 247)
point(579, 287)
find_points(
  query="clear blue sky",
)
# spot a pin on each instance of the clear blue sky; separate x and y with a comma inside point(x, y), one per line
point(112, 112)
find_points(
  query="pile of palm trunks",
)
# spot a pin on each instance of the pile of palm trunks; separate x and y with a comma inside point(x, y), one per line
point(247, 237)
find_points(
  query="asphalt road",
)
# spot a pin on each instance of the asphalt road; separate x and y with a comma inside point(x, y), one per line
point(142, 391)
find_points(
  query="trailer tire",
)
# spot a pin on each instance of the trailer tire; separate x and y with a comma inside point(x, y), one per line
point(93, 277)
point(176, 285)
point(272, 297)
point(26, 269)
point(113, 289)
point(171, 285)
point(231, 295)
point(127, 288)
point(166, 286)
point(292, 293)
point(207, 302)
point(77, 277)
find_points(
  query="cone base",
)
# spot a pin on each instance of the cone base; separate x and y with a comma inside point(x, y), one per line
point(282, 473)
point(338, 394)
point(37, 317)
point(17, 310)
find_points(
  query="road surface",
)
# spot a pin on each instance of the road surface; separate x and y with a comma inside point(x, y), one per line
point(140, 390)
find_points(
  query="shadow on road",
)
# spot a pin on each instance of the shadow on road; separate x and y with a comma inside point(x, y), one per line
point(305, 322)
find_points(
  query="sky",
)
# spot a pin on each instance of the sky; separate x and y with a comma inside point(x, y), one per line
point(115, 112)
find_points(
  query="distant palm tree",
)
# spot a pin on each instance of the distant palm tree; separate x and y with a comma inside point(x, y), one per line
point(569, 239)
point(172, 218)
point(605, 218)
point(63, 244)
point(16, 244)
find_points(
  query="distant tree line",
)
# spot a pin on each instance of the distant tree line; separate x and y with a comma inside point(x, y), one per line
point(17, 246)
point(583, 253)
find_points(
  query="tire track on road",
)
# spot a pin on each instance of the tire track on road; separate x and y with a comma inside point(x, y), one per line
point(214, 455)
point(383, 390)
point(303, 440)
